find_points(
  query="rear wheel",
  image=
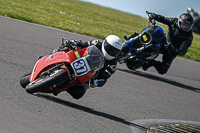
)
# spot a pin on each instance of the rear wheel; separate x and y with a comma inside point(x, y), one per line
point(48, 81)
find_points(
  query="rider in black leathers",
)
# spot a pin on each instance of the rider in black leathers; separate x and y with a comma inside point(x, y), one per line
point(110, 48)
point(179, 39)
point(196, 16)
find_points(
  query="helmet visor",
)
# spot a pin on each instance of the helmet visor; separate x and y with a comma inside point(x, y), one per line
point(184, 26)
point(112, 51)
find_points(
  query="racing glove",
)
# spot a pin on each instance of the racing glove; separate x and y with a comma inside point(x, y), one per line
point(72, 44)
point(153, 16)
point(75, 42)
point(97, 82)
point(173, 49)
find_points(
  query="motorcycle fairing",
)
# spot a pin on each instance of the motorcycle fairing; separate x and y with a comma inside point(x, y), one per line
point(156, 32)
point(130, 45)
point(157, 36)
point(48, 61)
point(155, 47)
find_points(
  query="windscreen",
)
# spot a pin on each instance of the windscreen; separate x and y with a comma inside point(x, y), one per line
point(95, 58)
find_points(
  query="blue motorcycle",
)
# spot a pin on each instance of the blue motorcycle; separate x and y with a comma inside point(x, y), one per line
point(141, 48)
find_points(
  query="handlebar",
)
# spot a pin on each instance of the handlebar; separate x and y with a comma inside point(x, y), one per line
point(148, 12)
point(153, 21)
point(68, 44)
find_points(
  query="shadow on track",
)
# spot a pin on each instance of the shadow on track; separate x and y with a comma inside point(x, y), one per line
point(153, 77)
point(89, 110)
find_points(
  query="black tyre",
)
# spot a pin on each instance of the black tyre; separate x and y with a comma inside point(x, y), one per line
point(133, 64)
point(41, 84)
point(24, 80)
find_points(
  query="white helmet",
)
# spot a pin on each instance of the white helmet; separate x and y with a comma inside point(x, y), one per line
point(111, 47)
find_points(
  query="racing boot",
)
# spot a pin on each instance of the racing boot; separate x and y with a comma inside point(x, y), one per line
point(78, 91)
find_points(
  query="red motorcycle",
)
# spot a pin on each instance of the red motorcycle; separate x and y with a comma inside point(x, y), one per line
point(57, 72)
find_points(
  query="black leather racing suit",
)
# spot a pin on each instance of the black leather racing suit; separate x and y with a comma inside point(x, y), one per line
point(178, 43)
point(196, 17)
point(100, 77)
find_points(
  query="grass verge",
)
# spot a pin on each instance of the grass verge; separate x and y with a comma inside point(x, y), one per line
point(81, 17)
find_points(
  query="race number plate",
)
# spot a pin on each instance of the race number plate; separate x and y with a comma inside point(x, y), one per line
point(80, 67)
point(145, 38)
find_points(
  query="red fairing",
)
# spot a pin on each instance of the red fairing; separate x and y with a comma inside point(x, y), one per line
point(69, 57)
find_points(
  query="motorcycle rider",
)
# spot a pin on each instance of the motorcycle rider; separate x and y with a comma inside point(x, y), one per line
point(179, 39)
point(196, 17)
point(110, 48)
point(192, 12)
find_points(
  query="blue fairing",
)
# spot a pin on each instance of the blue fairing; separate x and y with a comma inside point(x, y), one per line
point(158, 32)
point(155, 47)
point(157, 36)
point(130, 45)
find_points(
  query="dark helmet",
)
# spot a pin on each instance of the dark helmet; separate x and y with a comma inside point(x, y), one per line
point(185, 22)
point(189, 9)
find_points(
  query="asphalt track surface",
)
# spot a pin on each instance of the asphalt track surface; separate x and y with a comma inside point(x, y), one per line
point(128, 95)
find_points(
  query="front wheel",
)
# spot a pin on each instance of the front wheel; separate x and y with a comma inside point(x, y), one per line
point(133, 64)
point(24, 80)
point(45, 82)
